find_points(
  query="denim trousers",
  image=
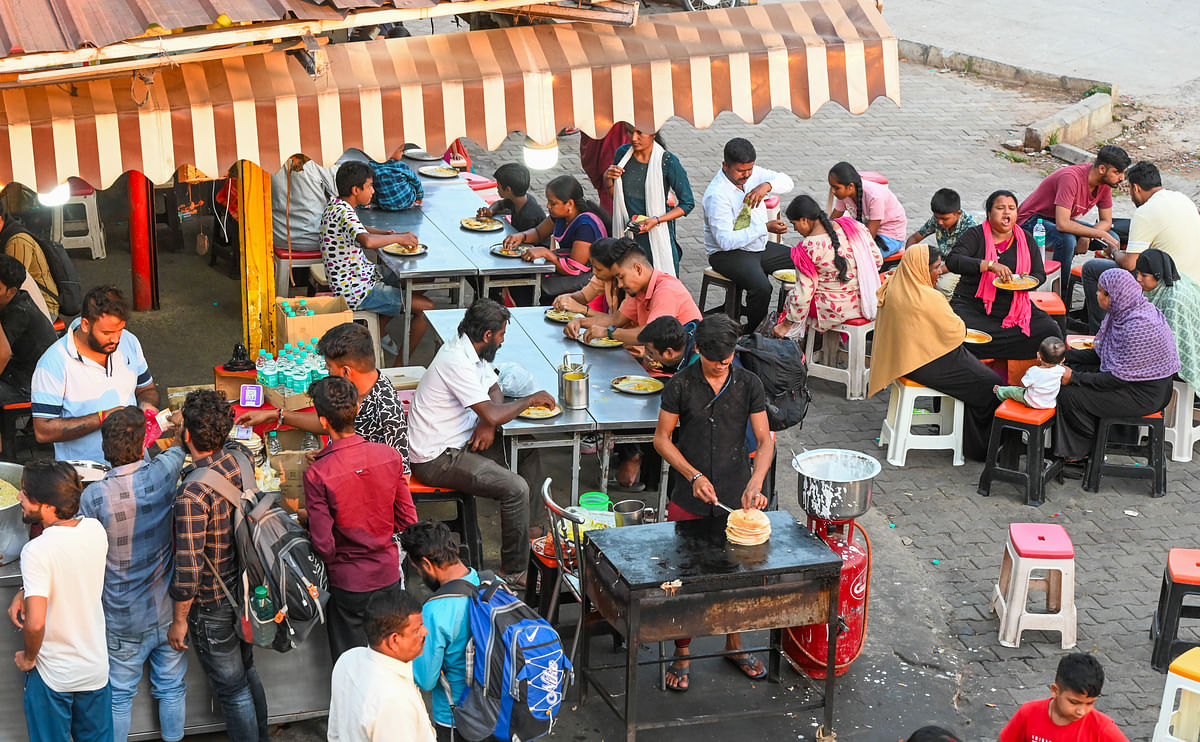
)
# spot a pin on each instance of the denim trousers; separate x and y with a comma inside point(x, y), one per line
point(51, 716)
point(127, 655)
point(229, 664)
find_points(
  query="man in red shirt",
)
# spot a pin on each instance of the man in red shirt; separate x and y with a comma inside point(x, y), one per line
point(1066, 195)
point(1068, 715)
point(357, 499)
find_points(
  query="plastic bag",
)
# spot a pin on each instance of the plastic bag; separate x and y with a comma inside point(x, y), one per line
point(515, 380)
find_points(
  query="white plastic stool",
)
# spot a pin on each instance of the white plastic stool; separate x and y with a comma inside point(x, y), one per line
point(282, 270)
point(1182, 431)
point(1179, 721)
point(1030, 547)
point(371, 319)
point(92, 237)
point(897, 433)
point(823, 363)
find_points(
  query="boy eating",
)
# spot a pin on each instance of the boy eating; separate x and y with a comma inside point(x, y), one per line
point(1068, 715)
point(512, 183)
point(946, 225)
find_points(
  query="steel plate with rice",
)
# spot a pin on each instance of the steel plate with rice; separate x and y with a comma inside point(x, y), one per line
point(438, 171)
point(482, 224)
point(406, 251)
point(637, 384)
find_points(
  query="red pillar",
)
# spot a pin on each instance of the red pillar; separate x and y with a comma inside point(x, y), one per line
point(141, 243)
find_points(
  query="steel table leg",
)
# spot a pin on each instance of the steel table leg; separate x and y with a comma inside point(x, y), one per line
point(408, 292)
point(831, 656)
point(775, 658)
point(605, 452)
point(631, 669)
point(575, 464)
point(537, 289)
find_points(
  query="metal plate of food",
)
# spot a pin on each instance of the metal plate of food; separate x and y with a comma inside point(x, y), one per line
point(637, 384)
point(561, 315)
point(482, 224)
point(977, 336)
point(541, 412)
point(438, 171)
point(1018, 283)
point(405, 250)
point(509, 252)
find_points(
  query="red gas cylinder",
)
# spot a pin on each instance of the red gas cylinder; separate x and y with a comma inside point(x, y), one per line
point(808, 645)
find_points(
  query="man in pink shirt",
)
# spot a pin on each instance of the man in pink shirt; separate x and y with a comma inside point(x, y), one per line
point(1066, 195)
point(650, 294)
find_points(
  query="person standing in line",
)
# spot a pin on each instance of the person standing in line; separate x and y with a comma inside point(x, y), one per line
point(59, 612)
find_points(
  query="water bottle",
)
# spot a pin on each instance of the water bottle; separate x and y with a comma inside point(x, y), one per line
point(283, 372)
point(274, 447)
point(311, 442)
point(263, 611)
point(303, 305)
point(268, 375)
point(260, 366)
point(299, 379)
point(1039, 236)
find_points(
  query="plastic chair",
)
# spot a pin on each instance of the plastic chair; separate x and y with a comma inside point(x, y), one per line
point(285, 260)
point(566, 534)
point(1182, 431)
point(1179, 720)
point(823, 363)
point(76, 233)
point(371, 320)
point(1035, 547)
point(1181, 581)
point(896, 433)
point(1052, 304)
point(1014, 416)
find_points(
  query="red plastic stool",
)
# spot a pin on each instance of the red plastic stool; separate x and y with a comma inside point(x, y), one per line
point(1037, 472)
point(1036, 547)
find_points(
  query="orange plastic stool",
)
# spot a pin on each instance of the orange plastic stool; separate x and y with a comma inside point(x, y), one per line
point(1181, 579)
point(1037, 471)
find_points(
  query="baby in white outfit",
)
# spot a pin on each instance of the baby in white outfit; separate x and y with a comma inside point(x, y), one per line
point(1040, 384)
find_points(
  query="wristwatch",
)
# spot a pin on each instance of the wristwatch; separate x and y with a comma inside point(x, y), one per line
point(610, 332)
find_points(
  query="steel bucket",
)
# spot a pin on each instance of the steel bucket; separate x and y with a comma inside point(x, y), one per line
point(835, 484)
point(13, 531)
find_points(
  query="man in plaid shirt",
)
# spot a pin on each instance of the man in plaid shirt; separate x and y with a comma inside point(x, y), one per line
point(133, 503)
point(204, 528)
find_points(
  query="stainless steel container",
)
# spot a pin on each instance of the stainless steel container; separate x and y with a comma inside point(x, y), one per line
point(573, 382)
point(13, 531)
point(632, 513)
point(835, 484)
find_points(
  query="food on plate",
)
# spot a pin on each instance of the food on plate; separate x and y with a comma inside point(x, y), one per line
point(786, 275)
point(482, 223)
point(540, 412)
point(977, 336)
point(398, 249)
point(1018, 283)
point(638, 384)
point(748, 527)
point(1081, 343)
point(562, 315)
point(438, 171)
point(514, 251)
point(8, 494)
point(602, 343)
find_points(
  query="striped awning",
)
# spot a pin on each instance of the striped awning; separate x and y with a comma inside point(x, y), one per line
point(433, 89)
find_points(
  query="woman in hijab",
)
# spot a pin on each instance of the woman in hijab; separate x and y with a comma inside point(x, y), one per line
point(918, 336)
point(999, 249)
point(1178, 298)
point(1127, 374)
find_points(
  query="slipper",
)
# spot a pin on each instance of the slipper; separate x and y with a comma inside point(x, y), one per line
point(389, 345)
point(516, 579)
point(682, 674)
point(745, 663)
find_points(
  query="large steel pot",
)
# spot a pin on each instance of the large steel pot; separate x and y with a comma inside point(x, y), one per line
point(835, 484)
point(13, 531)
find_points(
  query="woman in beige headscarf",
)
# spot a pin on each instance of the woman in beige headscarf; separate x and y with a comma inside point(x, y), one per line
point(918, 336)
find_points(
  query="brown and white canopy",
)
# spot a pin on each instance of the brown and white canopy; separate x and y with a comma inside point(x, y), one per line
point(433, 89)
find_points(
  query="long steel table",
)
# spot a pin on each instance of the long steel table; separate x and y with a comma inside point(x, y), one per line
point(791, 580)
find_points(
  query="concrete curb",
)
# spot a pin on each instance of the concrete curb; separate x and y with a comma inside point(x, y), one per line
point(1074, 124)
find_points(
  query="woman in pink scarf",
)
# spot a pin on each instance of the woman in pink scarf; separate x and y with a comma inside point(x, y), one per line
point(1127, 374)
point(837, 271)
point(999, 248)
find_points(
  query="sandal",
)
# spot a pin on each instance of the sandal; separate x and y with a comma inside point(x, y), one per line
point(746, 663)
point(681, 676)
point(516, 579)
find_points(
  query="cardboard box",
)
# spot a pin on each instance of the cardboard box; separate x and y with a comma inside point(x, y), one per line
point(230, 383)
point(290, 402)
point(329, 311)
point(291, 465)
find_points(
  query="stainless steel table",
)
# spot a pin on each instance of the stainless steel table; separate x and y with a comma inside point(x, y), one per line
point(421, 272)
point(446, 207)
point(556, 432)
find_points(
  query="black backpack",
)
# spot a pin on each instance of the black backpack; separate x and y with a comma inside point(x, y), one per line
point(780, 364)
point(66, 278)
point(274, 551)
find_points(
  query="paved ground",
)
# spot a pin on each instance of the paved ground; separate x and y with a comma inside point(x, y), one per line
point(931, 652)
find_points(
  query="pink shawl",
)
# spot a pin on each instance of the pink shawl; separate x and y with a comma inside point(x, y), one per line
point(1020, 312)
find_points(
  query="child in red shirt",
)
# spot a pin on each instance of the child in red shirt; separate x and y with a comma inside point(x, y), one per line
point(1068, 714)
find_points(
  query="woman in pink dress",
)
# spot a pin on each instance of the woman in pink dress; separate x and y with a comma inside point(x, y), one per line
point(837, 271)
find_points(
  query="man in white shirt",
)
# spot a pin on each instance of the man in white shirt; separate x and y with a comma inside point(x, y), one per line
point(299, 192)
point(1165, 220)
point(455, 412)
point(372, 694)
point(737, 246)
point(65, 659)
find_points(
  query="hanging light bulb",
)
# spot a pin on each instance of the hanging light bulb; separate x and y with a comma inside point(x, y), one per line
point(541, 156)
point(57, 197)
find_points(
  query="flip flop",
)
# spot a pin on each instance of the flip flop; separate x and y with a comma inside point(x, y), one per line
point(745, 663)
point(516, 579)
point(682, 674)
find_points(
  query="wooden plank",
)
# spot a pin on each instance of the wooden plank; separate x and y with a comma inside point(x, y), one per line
point(256, 257)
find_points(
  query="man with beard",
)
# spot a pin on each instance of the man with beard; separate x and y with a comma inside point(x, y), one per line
point(452, 427)
point(95, 369)
point(59, 611)
point(431, 551)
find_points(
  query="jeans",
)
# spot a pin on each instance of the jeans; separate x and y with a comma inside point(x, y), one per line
point(383, 299)
point(82, 716)
point(750, 272)
point(889, 246)
point(229, 664)
point(480, 476)
point(127, 655)
point(1091, 279)
point(1061, 243)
